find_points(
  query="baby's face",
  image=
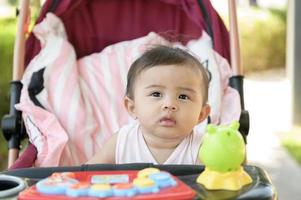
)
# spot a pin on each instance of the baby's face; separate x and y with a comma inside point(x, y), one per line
point(168, 100)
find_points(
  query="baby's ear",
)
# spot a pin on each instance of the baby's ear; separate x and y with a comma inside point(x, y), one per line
point(130, 106)
point(204, 112)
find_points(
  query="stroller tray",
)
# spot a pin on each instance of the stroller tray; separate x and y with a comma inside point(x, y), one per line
point(260, 189)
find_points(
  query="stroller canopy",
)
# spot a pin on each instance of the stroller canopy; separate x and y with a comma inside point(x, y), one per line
point(92, 25)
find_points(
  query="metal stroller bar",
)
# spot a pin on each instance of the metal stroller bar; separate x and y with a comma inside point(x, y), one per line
point(11, 124)
point(234, 40)
point(236, 81)
point(19, 50)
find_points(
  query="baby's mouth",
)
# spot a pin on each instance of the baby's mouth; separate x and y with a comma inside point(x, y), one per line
point(167, 121)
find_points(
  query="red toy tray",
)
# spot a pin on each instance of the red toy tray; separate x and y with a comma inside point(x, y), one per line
point(180, 191)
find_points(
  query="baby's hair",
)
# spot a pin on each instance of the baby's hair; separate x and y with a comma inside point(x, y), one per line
point(164, 55)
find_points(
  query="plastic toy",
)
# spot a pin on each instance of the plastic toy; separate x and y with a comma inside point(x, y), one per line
point(148, 183)
point(223, 152)
point(101, 190)
point(110, 179)
point(124, 190)
point(78, 189)
point(147, 172)
point(163, 179)
point(56, 184)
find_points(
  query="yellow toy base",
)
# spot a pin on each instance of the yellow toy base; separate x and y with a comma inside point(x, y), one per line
point(213, 180)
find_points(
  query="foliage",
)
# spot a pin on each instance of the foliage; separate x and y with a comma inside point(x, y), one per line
point(12, 2)
point(294, 149)
point(263, 35)
point(292, 143)
point(7, 35)
point(6, 57)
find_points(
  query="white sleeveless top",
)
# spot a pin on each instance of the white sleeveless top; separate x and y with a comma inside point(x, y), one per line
point(132, 148)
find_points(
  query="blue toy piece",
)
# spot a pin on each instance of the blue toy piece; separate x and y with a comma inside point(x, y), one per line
point(54, 187)
point(110, 179)
point(163, 179)
point(150, 189)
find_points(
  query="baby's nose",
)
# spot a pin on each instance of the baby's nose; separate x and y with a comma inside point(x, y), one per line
point(169, 108)
point(170, 105)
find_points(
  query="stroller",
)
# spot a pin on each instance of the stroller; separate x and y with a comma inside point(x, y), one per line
point(81, 30)
point(92, 26)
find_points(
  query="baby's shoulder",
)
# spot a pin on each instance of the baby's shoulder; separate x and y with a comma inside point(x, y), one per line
point(130, 127)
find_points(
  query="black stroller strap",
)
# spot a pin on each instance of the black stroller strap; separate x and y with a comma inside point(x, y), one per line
point(53, 6)
point(36, 85)
point(207, 20)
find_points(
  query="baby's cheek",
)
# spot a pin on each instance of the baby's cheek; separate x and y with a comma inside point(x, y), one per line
point(190, 121)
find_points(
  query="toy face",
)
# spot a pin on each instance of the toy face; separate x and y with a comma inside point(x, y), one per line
point(223, 148)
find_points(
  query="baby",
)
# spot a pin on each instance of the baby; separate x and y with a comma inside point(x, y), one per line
point(166, 94)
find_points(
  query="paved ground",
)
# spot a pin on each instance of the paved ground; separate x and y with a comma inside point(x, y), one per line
point(267, 97)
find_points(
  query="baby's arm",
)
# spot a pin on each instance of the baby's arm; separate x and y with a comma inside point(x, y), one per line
point(107, 153)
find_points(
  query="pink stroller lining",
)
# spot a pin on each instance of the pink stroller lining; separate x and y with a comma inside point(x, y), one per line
point(83, 98)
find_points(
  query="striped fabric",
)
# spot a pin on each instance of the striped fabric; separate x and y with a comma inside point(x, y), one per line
point(83, 99)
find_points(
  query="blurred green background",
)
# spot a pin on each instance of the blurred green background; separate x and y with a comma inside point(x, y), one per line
point(263, 38)
point(6, 53)
point(7, 38)
point(261, 49)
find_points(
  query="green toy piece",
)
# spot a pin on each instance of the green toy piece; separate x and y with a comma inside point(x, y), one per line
point(223, 148)
point(223, 152)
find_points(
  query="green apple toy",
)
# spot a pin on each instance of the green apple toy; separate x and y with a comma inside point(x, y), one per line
point(223, 152)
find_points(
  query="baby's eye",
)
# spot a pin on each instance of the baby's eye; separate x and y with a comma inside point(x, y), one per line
point(156, 94)
point(183, 96)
